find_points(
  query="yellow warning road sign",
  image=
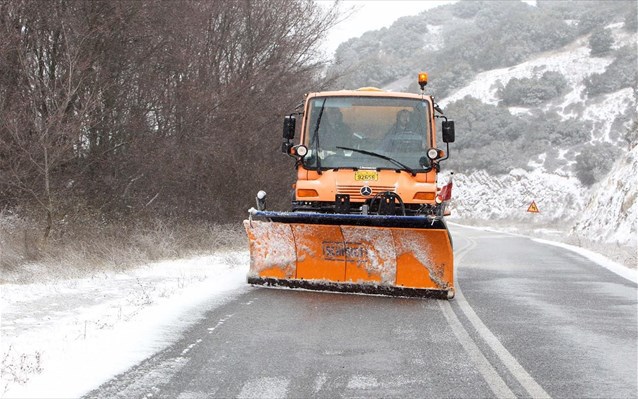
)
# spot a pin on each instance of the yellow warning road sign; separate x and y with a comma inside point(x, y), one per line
point(533, 208)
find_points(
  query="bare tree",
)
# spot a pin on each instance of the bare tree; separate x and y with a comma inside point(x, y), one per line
point(47, 100)
point(147, 107)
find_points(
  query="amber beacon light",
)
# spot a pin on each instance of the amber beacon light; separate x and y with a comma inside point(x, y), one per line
point(423, 80)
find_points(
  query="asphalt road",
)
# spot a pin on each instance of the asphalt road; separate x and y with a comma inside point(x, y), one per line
point(529, 320)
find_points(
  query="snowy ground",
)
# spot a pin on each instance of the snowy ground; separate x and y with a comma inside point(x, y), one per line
point(63, 338)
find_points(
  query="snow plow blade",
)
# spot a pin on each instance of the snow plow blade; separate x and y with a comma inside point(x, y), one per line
point(408, 256)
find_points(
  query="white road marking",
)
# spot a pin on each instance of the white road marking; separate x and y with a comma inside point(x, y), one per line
point(192, 395)
point(219, 323)
point(265, 387)
point(362, 382)
point(514, 367)
point(320, 380)
point(185, 351)
point(495, 382)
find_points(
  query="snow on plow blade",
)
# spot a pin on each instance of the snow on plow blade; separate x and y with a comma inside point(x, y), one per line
point(386, 255)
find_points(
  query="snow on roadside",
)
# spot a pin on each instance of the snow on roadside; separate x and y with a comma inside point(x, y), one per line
point(599, 259)
point(617, 268)
point(64, 338)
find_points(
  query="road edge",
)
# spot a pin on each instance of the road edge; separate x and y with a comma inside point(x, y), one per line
point(599, 259)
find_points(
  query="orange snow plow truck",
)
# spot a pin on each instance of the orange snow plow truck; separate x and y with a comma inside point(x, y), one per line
point(367, 214)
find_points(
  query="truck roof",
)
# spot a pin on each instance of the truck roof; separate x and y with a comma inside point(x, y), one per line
point(367, 92)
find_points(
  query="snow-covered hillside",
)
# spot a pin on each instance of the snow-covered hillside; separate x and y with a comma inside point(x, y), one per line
point(614, 203)
point(576, 64)
point(481, 196)
point(572, 61)
point(606, 212)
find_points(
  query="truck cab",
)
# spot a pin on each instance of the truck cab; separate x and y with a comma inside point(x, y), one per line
point(365, 151)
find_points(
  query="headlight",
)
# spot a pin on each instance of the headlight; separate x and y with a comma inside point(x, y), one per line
point(301, 150)
point(433, 153)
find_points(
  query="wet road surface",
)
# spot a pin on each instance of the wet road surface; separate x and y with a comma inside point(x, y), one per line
point(529, 320)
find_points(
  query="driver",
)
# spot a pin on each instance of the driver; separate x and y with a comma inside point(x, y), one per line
point(402, 126)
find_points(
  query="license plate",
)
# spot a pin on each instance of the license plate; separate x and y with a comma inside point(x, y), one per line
point(366, 175)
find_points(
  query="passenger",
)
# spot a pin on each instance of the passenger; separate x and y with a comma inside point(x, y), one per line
point(333, 131)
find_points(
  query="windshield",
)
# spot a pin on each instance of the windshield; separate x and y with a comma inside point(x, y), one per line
point(396, 129)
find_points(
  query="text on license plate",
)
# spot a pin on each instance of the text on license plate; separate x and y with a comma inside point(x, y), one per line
point(366, 175)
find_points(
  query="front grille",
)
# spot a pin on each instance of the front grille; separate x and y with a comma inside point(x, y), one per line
point(355, 194)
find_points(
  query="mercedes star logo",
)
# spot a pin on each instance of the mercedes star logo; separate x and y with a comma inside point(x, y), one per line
point(365, 191)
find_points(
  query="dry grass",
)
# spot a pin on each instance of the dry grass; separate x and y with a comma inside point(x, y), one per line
point(85, 249)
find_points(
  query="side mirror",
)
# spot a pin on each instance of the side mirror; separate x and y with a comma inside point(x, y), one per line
point(289, 127)
point(448, 131)
point(425, 163)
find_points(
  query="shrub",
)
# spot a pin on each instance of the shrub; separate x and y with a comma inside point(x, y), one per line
point(619, 74)
point(631, 135)
point(529, 92)
point(492, 139)
point(600, 41)
point(565, 132)
point(87, 246)
point(594, 162)
point(466, 9)
point(631, 20)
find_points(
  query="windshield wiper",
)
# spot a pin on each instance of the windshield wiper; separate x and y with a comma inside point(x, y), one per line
point(315, 138)
point(374, 154)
